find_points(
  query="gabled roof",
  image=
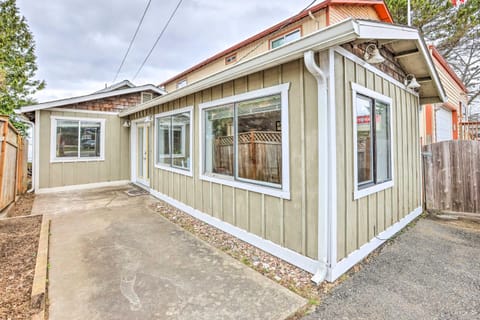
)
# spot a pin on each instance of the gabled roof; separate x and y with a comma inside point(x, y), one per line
point(116, 86)
point(400, 39)
point(378, 5)
point(90, 97)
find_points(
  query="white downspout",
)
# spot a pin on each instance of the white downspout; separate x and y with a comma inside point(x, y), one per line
point(323, 165)
point(32, 125)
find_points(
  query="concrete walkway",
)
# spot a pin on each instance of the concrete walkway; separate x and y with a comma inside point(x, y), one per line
point(111, 257)
point(431, 271)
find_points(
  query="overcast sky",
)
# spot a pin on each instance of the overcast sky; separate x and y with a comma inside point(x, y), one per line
point(80, 44)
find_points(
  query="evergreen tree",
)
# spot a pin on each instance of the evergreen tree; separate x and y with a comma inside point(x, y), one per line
point(454, 30)
point(17, 60)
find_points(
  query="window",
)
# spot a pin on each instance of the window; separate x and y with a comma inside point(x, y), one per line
point(77, 139)
point(146, 96)
point(286, 38)
point(182, 83)
point(230, 59)
point(373, 141)
point(173, 136)
point(244, 142)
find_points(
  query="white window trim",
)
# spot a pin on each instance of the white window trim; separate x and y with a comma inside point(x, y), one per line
point(171, 168)
point(257, 186)
point(53, 140)
point(363, 192)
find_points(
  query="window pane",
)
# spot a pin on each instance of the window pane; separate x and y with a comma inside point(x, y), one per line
point(90, 139)
point(181, 140)
point(219, 140)
point(163, 140)
point(382, 142)
point(67, 139)
point(364, 140)
point(292, 36)
point(278, 42)
point(259, 140)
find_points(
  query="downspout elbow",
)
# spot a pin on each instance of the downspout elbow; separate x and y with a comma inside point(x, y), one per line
point(313, 68)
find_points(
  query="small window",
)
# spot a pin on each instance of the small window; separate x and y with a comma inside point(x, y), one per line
point(146, 96)
point(77, 139)
point(244, 143)
point(231, 59)
point(181, 83)
point(173, 136)
point(373, 145)
point(286, 38)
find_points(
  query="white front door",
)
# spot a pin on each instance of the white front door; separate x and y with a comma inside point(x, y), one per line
point(141, 160)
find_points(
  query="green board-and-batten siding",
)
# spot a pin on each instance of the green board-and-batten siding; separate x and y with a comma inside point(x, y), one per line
point(289, 223)
point(115, 167)
point(358, 221)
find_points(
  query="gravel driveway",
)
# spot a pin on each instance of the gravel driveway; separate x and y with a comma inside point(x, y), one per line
point(432, 271)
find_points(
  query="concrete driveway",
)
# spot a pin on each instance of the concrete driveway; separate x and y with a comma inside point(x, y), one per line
point(431, 271)
point(111, 257)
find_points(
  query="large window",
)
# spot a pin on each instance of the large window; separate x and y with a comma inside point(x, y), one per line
point(285, 38)
point(173, 136)
point(245, 139)
point(77, 139)
point(373, 143)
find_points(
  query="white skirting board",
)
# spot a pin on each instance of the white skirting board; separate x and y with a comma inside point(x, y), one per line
point(288, 255)
point(84, 186)
point(358, 255)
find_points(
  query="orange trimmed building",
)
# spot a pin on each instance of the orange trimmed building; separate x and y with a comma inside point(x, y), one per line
point(441, 121)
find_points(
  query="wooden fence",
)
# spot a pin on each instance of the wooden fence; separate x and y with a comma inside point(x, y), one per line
point(13, 163)
point(470, 130)
point(452, 176)
point(259, 155)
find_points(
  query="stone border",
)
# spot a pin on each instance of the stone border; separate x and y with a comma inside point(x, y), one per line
point(39, 287)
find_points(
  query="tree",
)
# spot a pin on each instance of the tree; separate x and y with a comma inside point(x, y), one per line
point(453, 30)
point(17, 60)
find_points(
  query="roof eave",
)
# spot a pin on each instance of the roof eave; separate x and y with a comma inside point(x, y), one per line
point(90, 97)
point(322, 39)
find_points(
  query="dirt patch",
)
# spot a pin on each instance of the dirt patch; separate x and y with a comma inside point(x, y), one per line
point(18, 250)
point(23, 206)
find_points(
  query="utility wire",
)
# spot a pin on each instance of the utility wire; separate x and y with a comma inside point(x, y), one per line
point(158, 39)
point(281, 27)
point(131, 41)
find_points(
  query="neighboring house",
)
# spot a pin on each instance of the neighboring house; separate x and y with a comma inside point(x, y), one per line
point(80, 140)
point(318, 17)
point(280, 149)
point(441, 121)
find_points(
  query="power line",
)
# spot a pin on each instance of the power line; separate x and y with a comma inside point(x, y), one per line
point(131, 41)
point(281, 27)
point(158, 39)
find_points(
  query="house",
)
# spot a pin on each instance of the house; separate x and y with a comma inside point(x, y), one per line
point(80, 140)
point(309, 150)
point(441, 121)
point(322, 15)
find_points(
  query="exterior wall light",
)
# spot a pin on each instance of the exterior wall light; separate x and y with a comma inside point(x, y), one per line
point(372, 54)
point(411, 82)
point(126, 124)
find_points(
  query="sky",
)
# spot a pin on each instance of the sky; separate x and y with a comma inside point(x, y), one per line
point(80, 44)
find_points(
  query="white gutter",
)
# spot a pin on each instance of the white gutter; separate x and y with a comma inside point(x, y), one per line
point(323, 165)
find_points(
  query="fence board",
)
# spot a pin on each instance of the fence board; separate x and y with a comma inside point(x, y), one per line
point(452, 176)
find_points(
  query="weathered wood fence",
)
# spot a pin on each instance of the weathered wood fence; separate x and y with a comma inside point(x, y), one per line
point(470, 130)
point(13, 163)
point(452, 176)
point(259, 155)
